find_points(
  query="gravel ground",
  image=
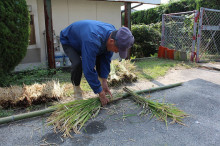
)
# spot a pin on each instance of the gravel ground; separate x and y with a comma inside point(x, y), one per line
point(118, 124)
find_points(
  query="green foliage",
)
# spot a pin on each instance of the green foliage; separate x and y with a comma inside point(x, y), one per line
point(147, 40)
point(14, 24)
point(212, 4)
point(151, 16)
point(157, 26)
point(5, 113)
point(154, 15)
point(29, 77)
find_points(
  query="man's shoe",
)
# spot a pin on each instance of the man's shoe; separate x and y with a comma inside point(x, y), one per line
point(78, 92)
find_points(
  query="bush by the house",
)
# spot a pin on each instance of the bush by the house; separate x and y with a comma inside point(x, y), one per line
point(147, 40)
point(14, 30)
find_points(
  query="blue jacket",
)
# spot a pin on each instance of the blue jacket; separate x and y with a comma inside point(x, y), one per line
point(89, 38)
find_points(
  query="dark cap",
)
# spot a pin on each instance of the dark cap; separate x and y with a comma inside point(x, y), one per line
point(124, 41)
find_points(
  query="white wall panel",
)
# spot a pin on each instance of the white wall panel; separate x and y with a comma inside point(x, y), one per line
point(41, 23)
point(81, 9)
point(60, 15)
point(109, 12)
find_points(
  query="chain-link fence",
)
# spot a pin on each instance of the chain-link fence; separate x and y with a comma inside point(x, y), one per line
point(179, 31)
point(208, 41)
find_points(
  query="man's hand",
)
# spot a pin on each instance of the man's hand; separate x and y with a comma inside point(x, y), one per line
point(105, 87)
point(104, 100)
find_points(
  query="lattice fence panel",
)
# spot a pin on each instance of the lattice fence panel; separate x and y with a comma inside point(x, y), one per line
point(208, 40)
point(178, 31)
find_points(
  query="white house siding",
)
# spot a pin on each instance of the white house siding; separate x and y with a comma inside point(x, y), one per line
point(69, 11)
point(65, 12)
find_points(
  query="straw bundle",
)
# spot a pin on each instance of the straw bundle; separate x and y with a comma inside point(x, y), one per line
point(114, 78)
point(73, 115)
point(121, 72)
point(10, 95)
point(161, 111)
point(30, 94)
point(126, 71)
point(53, 90)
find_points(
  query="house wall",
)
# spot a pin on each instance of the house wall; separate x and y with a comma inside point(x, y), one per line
point(65, 12)
point(33, 49)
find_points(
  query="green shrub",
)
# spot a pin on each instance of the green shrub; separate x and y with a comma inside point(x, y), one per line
point(212, 4)
point(14, 30)
point(147, 40)
point(157, 26)
point(154, 15)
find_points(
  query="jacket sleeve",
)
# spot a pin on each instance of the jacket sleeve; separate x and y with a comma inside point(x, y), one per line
point(105, 64)
point(89, 52)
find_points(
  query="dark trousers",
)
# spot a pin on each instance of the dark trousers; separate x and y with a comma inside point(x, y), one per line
point(76, 67)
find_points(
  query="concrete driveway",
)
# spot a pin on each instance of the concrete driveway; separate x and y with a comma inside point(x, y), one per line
point(118, 124)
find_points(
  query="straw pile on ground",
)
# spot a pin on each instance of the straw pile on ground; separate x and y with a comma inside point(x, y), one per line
point(30, 94)
point(121, 72)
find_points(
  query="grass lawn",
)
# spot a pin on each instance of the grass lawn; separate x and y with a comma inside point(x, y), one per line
point(149, 69)
point(153, 68)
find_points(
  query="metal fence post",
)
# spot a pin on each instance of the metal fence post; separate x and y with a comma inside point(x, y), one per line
point(199, 33)
point(196, 15)
point(163, 29)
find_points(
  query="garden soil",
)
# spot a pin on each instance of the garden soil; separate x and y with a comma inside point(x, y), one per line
point(118, 123)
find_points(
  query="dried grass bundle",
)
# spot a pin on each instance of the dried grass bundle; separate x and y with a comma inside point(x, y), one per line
point(30, 94)
point(121, 72)
point(114, 78)
point(10, 95)
point(126, 71)
point(129, 65)
point(161, 111)
point(73, 115)
point(33, 92)
point(53, 89)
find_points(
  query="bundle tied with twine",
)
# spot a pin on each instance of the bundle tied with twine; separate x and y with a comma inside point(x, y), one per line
point(121, 72)
point(161, 111)
point(30, 94)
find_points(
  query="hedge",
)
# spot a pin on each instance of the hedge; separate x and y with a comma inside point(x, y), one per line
point(147, 40)
point(14, 24)
point(154, 15)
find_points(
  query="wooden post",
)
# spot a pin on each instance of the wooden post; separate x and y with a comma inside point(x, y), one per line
point(127, 22)
point(49, 33)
